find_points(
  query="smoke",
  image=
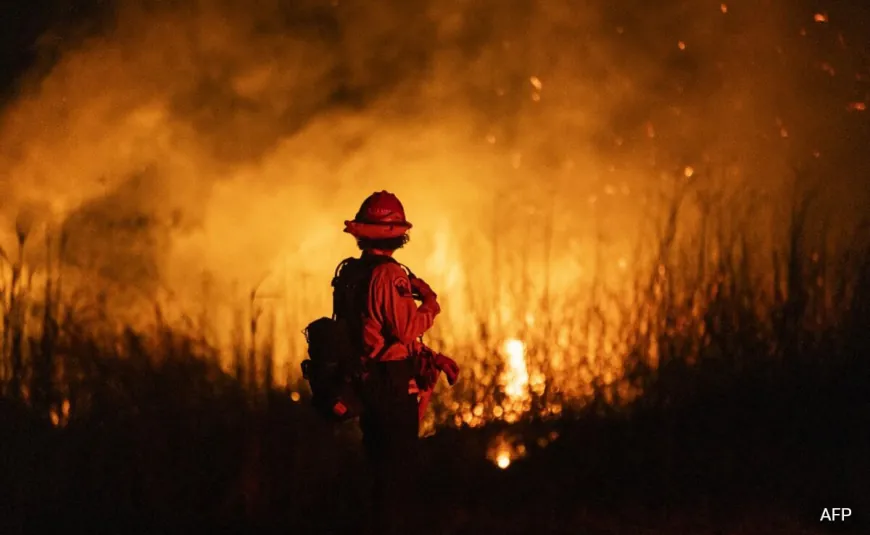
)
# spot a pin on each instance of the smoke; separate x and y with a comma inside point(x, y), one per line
point(227, 141)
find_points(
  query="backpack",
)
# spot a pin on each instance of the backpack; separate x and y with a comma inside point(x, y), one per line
point(335, 345)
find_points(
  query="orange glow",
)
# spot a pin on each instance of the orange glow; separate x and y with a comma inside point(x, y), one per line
point(504, 449)
point(197, 161)
point(516, 375)
point(820, 17)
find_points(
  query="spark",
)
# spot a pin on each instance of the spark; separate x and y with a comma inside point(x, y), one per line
point(294, 396)
point(820, 17)
point(723, 8)
point(503, 460)
point(536, 83)
point(857, 106)
point(689, 171)
point(681, 45)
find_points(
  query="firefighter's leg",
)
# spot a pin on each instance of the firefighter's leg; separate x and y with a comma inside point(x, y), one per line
point(390, 431)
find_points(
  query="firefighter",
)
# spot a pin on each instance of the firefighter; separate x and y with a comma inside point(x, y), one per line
point(384, 312)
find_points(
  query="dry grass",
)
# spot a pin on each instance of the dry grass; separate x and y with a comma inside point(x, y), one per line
point(684, 388)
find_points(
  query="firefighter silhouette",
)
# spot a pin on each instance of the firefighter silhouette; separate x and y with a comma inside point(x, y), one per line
point(376, 299)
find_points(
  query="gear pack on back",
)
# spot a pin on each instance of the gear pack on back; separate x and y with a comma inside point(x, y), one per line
point(335, 345)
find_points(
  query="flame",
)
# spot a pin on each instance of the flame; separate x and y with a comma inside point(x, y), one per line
point(484, 185)
point(504, 449)
point(516, 375)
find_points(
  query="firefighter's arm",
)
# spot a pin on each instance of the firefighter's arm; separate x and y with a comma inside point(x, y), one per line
point(392, 295)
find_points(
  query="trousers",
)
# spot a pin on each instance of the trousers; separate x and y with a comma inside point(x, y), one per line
point(390, 430)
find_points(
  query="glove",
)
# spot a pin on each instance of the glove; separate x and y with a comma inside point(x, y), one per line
point(448, 366)
point(419, 286)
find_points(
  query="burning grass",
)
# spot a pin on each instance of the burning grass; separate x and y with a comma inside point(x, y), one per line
point(705, 299)
point(706, 338)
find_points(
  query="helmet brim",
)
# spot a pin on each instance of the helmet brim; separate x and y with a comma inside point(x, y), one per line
point(376, 231)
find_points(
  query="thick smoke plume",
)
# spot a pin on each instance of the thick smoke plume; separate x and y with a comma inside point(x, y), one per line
point(192, 151)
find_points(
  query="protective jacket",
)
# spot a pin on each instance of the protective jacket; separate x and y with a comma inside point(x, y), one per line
point(393, 322)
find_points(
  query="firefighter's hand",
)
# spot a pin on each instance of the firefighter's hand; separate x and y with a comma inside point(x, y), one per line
point(448, 366)
point(420, 287)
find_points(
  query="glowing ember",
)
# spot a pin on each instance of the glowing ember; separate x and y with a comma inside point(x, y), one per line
point(503, 450)
point(724, 8)
point(682, 45)
point(536, 82)
point(60, 418)
point(689, 171)
point(516, 376)
point(820, 17)
point(857, 106)
point(294, 396)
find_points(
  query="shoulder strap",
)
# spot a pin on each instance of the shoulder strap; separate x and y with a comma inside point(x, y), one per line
point(351, 279)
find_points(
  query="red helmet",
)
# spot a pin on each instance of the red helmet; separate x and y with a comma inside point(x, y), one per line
point(380, 216)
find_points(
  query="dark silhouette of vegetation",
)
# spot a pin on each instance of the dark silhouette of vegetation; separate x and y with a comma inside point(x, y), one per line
point(753, 415)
